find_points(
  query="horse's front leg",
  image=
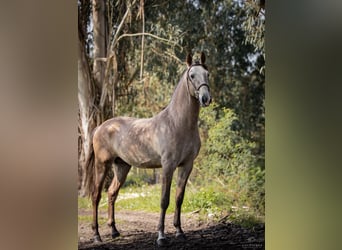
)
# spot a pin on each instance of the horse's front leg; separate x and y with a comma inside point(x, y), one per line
point(183, 175)
point(167, 173)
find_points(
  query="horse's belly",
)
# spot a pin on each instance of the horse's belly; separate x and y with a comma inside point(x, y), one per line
point(149, 164)
point(141, 156)
point(144, 162)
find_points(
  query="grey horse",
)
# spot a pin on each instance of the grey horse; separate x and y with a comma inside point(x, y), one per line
point(168, 140)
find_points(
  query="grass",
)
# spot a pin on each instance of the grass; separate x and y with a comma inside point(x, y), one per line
point(147, 198)
point(88, 219)
point(212, 202)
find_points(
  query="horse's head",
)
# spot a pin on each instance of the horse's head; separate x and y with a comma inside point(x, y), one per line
point(198, 76)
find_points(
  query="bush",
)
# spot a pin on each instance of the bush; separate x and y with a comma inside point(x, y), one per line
point(226, 152)
point(227, 158)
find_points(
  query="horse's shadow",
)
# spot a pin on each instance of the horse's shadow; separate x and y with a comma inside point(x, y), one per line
point(219, 236)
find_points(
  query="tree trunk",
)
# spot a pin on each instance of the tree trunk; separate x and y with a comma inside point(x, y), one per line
point(100, 40)
point(86, 123)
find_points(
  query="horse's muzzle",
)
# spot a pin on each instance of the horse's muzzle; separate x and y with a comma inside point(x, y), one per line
point(205, 99)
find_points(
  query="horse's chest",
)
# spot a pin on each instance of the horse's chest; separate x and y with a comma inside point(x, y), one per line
point(187, 147)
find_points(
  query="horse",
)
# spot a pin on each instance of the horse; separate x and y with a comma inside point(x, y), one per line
point(168, 140)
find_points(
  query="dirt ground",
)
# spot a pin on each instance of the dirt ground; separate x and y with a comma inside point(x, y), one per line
point(138, 231)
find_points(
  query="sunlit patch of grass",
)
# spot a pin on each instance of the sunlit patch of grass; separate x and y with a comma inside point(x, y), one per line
point(146, 198)
point(138, 198)
point(211, 202)
point(89, 219)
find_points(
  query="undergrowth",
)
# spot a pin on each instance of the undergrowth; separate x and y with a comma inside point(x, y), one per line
point(212, 203)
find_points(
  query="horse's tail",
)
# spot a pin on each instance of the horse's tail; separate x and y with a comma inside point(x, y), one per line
point(89, 168)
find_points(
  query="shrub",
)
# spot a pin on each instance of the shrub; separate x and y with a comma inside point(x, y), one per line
point(226, 152)
point(227, 158)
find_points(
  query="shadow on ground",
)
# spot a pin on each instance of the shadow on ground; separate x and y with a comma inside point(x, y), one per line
point(218, 236)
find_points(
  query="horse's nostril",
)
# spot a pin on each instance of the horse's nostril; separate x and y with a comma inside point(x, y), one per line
point(204, 99)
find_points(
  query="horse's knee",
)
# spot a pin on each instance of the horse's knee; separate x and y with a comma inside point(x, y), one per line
point(164, 204)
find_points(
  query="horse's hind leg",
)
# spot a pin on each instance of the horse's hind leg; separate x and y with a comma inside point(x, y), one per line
point(121, 170)
point(183, 175)
point(100, 174)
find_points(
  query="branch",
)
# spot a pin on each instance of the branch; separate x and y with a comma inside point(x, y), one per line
point(174, 57)
point(101, 59)
point(111, 54)
point(168, 54)
point(148, 34)
point(120, 26)
point(142, 8)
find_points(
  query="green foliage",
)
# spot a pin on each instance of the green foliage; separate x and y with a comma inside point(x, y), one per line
point(254, 25)
point(208, 199)
point(228, 159)
point(83, 203)
point(227, 152)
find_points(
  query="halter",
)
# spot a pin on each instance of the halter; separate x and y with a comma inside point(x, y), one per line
point(193, 85)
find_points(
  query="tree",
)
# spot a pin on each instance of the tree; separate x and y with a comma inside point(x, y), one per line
point(85, 99)
point(254, 25)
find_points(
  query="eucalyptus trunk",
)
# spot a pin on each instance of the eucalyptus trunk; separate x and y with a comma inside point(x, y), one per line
point(85, 100)
point(100, 41)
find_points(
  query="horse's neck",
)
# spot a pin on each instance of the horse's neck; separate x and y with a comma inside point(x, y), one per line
point(183, 108)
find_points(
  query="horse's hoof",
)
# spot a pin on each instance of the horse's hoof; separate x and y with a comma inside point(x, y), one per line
point(97, 239)
point(115, 234)
point(162, 242)
point(180, 236)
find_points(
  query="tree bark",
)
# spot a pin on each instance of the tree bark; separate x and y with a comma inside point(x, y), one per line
point(86, 123)
point(100, 40)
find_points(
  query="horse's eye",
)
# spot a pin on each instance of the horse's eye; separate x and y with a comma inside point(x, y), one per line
point(192, 76)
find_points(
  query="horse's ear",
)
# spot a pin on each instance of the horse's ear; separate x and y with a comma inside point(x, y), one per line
point(202, 58)
point(189, 60)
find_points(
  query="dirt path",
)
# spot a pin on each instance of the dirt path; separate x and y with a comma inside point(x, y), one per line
point(138, 231)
